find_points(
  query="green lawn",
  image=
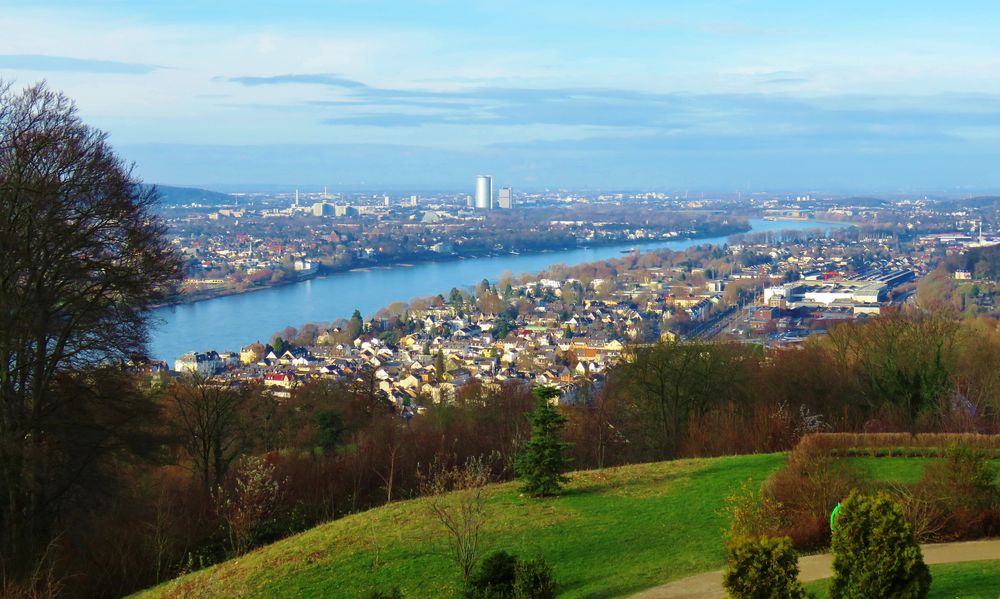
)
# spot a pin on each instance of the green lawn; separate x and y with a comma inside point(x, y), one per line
point(973, 580)
point(903, 470)
point(614, 532)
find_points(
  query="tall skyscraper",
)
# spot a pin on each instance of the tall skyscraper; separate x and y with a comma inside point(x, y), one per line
point(505, 198)
point(484, 192)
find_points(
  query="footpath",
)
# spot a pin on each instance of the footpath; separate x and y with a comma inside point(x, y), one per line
point(817, 567)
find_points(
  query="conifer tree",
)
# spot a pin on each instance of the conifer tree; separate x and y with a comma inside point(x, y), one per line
point(439, 366)
point(542, 462)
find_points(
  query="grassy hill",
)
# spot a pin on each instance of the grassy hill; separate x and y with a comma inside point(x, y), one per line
point(613, 532)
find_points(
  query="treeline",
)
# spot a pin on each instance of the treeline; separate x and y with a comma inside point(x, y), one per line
point(911, 372)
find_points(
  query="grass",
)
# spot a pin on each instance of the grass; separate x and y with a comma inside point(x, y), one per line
point(972, 580)
point(901, 469)
point(613, 532)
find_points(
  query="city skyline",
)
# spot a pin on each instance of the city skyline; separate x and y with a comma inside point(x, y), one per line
point(729, 95)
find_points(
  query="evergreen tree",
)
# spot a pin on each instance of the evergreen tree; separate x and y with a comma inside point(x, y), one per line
point(439, 365)
point(543, 460)
point(874, 553)
point(355, 326)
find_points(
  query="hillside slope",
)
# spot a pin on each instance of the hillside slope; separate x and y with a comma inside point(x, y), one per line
point(612, 533)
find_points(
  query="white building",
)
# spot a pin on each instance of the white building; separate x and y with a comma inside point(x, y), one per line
point(201, 364)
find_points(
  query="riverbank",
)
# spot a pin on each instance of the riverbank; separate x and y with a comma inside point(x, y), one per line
point(413, 260)
point(228, 323)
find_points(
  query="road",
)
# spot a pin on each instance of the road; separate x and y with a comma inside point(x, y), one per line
point(818, 567)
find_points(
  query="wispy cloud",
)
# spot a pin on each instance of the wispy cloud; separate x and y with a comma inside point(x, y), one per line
point(42, 62)
point(329, 79)
point(635, 111)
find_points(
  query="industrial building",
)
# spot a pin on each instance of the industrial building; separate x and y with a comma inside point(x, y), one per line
point(861, 292)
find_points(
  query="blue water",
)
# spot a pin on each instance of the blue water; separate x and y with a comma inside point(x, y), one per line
point(230, 322)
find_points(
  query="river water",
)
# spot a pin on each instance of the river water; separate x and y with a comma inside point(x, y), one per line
point(230, 322)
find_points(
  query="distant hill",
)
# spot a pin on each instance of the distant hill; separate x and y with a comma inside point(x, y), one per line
point(191, 195)
point(975, 202)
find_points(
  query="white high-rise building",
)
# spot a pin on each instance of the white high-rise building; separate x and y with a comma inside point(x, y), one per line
point(484, 192)
point(505, 198)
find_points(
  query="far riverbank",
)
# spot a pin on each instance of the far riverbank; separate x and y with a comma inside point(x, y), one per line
point(414, 259)
point(230, 322)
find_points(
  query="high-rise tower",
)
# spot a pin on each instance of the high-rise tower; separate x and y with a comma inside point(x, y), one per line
point(484, 192)
point(505, 198)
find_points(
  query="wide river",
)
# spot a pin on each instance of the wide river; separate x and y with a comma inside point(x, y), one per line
point(230, 322)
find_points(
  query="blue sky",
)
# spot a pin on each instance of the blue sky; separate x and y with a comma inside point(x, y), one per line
point(779, 95)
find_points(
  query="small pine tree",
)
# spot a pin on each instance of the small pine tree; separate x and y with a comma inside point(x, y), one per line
point(874, 553)
point(542, 462)
point(762, 568)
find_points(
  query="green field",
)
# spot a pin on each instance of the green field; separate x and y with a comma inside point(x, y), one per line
point(903, 470)
point(613, 532)
point(973, 580)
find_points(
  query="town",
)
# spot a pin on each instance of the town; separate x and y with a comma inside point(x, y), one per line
point(567, 326)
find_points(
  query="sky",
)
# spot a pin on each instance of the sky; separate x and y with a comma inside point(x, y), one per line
point(848, 96)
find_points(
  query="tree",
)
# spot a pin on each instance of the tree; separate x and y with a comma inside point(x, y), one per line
point(84, 261)
point(439, 366)
point(249, 503)
point(874, 553)
point(206, 420)
point(668, 384)
point(542, 462)
point(355, 326)
point(456, 497)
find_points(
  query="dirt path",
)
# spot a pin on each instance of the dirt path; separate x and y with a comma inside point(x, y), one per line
point(816, 567)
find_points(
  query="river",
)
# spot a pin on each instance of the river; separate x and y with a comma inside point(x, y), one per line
point(230, 322)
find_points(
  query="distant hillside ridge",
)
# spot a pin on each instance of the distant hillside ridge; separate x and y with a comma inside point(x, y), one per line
point(170, 194)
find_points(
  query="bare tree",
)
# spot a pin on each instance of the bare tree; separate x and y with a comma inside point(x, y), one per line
point(457, 498)
point(206, 419)
point(84, 261)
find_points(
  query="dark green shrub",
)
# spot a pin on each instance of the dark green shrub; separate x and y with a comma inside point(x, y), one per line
point(762, 568)
point(393, 593)
point(494, 579)
point(874, 553)
point(533, 580)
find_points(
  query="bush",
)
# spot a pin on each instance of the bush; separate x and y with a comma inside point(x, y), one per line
point(809, 486)
point(963, 480)
point(533, 580)
point(393, 593)
point(874, 553)
point(494, 579)
point(752, 513)
point(762, 568)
